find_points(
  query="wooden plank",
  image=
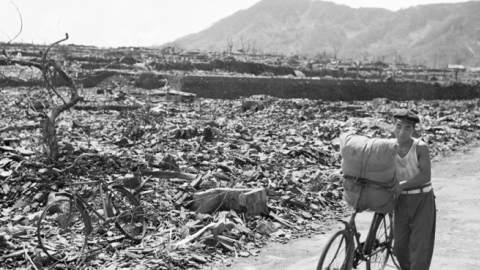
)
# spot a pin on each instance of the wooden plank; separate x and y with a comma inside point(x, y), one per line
point(169, 174)
point(250, 201)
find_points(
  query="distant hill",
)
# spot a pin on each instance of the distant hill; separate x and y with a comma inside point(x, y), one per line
point(436, 34)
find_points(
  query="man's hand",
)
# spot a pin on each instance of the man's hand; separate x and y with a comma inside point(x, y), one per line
point(335, 176)
point(396, 189)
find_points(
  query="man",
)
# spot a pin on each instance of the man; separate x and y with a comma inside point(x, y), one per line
point(415, 215)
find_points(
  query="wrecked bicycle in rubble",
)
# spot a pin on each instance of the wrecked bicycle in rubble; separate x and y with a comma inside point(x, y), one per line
point(66, 226)
point(345, 251)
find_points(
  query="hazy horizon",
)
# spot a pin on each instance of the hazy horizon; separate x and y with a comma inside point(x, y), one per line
point(110, 23)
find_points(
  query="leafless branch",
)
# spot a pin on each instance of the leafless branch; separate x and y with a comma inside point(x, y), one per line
point(74, 97)
point(44, 56)
point(5, 35)
point(75, 162)
point(58, 23)
point(46, 69)
point(49, 83)
point(23, 63)
point(49, 70)
point(21, 24)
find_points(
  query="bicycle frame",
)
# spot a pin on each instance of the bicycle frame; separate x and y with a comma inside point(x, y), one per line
point(106, 204)
point(68, 217)
point(360, 253)
point(354, 237)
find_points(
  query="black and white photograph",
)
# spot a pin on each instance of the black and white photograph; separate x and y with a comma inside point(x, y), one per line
point(239, 134)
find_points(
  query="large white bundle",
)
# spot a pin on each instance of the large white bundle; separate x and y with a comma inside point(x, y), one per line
point(368, 158)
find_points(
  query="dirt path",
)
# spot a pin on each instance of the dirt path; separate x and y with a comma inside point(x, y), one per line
point(456, 181)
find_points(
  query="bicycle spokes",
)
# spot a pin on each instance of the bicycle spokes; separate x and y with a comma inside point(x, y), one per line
point(381, 245)
point(130, 214)
point(337, 254)
point(62, 230)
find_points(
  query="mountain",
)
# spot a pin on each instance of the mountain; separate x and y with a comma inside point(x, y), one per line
point(435, 34)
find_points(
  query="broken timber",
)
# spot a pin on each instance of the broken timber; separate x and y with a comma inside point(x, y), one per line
point(248, 201)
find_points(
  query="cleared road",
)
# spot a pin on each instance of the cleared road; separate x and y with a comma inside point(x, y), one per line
point(456, 180)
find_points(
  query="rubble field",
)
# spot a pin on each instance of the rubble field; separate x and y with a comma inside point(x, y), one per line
point(232, 177)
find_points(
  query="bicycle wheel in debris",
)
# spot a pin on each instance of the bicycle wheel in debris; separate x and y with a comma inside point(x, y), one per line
point(62, 229)
point(130, 214)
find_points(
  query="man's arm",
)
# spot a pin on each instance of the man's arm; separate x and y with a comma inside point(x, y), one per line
point(425, 174)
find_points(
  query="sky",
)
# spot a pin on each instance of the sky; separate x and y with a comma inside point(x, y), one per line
point(115, 23)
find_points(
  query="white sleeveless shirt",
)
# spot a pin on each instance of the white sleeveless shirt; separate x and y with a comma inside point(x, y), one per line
point(408, 166)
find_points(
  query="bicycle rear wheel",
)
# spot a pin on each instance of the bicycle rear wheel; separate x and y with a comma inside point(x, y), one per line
point(379, 241)
point(338, 253)
point(62, 229)
point(130, 214)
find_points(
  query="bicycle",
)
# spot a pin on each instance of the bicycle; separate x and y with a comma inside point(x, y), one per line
point(344, 250)
point(65, 224)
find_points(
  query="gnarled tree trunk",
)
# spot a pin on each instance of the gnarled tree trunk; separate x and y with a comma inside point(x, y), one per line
point(48, 68)
point(50, 141)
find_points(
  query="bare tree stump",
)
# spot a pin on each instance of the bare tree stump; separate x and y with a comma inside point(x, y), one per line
point(50, 140)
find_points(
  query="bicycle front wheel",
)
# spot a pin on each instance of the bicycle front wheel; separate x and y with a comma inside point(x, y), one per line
point(378, 243)
point(338, 253)
point(62, 230)
point(130, 214)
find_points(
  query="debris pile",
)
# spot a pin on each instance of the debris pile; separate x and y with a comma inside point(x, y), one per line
point(218, 181)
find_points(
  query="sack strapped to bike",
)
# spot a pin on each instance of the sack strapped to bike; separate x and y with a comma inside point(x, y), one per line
point(364, 194)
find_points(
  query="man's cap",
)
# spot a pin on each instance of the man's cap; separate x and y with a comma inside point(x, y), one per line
point(409, 115)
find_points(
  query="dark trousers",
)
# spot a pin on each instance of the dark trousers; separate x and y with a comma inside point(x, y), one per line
point(414, 230)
